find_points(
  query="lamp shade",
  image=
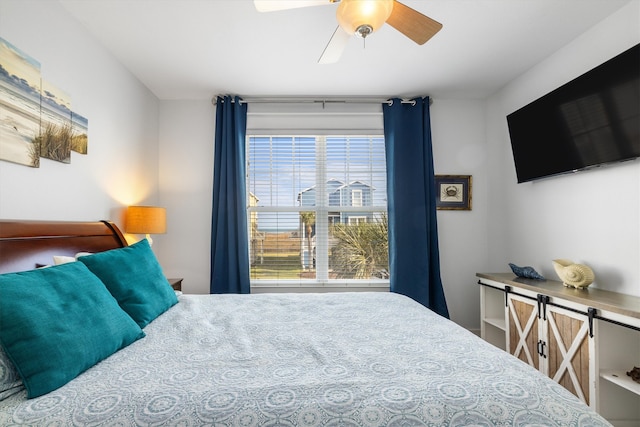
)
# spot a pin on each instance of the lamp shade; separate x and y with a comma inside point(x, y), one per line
point(146, 220)
point(362, 17)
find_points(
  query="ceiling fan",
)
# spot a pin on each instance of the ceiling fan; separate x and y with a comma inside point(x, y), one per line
point(362, 17)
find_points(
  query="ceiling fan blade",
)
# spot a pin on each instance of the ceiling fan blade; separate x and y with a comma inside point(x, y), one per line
point(273, 5)
point(412, 23)
point(335, 47)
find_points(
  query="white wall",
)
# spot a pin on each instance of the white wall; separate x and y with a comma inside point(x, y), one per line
point(186, 184)
point(121, 165)
point(591, 217)
point(459, 148)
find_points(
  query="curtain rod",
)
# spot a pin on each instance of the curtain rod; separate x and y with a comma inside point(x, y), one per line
point(323, 101)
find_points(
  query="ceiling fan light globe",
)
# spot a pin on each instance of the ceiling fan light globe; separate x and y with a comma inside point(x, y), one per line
point(362, 17)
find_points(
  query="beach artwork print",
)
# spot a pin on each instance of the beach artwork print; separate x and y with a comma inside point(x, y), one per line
point(19, 106)
point(36, 119)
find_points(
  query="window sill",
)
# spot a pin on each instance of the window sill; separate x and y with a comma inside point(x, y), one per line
point(373, 285)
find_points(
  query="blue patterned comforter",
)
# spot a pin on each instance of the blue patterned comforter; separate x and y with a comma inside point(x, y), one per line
point(338, 359)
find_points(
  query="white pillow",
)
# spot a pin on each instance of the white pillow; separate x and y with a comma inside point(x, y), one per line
point(79, 254)
point(61, 259)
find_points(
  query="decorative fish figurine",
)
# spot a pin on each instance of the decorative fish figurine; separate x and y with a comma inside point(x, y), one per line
point(526, 272)
point(573, 275)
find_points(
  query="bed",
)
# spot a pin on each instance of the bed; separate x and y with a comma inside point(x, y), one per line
point(335, 359)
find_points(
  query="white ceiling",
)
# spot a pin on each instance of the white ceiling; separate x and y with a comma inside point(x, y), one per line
point(196, 49)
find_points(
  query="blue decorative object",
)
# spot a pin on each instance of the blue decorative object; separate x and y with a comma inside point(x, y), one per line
point(526, 272)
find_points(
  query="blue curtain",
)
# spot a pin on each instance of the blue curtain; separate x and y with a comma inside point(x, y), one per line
point(414, 259)
point(229, 244)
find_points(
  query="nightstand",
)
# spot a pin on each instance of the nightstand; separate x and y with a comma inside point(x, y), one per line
point(176, 284)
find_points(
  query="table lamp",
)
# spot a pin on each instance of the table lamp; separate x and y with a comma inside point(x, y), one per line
point(146, 220)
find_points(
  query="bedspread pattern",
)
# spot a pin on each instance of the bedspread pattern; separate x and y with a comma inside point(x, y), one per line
point(348, 359)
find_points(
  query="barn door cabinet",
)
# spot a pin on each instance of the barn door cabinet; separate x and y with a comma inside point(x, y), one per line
point(586, 340)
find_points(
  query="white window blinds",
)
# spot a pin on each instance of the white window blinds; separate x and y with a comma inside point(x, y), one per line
point(317, 208)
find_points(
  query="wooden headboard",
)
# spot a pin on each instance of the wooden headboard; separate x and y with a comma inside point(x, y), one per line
point(25, 245)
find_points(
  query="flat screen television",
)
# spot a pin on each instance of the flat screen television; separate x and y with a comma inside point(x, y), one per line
point(590, 121)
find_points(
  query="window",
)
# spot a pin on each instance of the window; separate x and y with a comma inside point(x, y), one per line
point(356, 198)
point(317, 209)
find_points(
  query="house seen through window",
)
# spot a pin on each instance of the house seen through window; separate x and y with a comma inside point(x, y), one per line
point(317, 208)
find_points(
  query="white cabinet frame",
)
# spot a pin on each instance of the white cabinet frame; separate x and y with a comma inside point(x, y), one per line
point(585, 340)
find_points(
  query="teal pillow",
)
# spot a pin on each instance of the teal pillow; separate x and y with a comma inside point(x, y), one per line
point(134, 277)
point(57, 322)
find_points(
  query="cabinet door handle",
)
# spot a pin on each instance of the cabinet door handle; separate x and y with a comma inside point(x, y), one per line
point(541, 345)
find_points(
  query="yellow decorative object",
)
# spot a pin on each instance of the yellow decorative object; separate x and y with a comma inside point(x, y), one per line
point(573, 275)
point(146, 220)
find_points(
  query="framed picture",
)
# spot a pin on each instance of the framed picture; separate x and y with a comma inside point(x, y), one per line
point(453, 192)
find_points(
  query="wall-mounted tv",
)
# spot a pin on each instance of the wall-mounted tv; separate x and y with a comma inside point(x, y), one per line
point(592, 120)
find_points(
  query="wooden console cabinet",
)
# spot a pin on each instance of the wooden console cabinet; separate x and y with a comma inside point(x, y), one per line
point(584, 339)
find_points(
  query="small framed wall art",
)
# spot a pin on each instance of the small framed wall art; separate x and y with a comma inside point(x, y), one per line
point(453, 192)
